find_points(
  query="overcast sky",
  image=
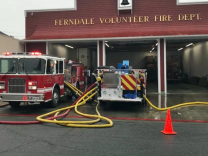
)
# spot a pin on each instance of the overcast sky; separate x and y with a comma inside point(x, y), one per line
point(12, 18)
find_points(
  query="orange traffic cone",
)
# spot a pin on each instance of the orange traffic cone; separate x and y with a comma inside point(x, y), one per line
point(168, 125)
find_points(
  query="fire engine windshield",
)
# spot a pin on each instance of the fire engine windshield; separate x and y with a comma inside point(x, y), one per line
point(8, 65)
point(31, 66)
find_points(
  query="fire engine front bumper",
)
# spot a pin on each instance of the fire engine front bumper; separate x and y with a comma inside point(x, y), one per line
point(138, 99)
point(22, 97)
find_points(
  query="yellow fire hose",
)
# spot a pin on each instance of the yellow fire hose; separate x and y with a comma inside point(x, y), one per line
point(164, 109)
point(176, 106)
point(80, 102)
point(89, 124)
point(76, 90)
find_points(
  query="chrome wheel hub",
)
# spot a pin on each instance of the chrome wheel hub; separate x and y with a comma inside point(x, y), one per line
point(56, 97)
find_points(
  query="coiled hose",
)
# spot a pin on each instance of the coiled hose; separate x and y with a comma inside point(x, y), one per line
point(84, 97)
point(37, 122)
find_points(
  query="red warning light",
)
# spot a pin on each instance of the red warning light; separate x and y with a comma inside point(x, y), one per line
point(32, 83)
point(7, 53)
point(36, 53)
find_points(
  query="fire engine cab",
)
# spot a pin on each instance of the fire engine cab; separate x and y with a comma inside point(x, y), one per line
point(32, 78)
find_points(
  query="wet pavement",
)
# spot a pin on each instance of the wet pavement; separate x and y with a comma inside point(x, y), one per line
point(177, 88)
point(127, 110)
point(130, 135)
point(124, 138)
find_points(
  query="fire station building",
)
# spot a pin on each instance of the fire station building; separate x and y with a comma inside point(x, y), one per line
point(166, 37)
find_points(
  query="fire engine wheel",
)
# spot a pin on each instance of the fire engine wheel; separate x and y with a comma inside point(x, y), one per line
point(55, 98)
point(14, 104)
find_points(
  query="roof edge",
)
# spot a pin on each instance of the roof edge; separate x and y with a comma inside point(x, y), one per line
point(49, 10)
point(115, 38)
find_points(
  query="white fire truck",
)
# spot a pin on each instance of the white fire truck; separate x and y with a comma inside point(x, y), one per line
point(125, 85)
point(32, 78)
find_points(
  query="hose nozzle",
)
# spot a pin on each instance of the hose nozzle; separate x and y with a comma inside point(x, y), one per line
point(98, 78)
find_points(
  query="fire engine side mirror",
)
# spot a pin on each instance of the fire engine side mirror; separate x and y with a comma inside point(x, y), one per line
point(70, 61)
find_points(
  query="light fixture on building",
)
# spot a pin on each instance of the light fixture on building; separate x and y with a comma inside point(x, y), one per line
point(156, 44)
point(69, 46)
point(189, 45)
point(107, 44)
point(180, 49)
point(125, 2)
point(150, 51)
point(153, 48)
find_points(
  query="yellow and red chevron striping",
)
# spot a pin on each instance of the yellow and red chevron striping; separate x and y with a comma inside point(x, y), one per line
point(129, 82)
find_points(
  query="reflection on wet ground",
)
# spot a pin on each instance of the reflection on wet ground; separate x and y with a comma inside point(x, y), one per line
point(177, 88)
point(196, 112)
point(124, 138)
point(134, 111)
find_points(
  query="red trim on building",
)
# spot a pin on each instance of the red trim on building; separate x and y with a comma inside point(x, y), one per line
point(151, 32)
point(41, 25)
point(101, 53)
point(162, 65)
point(124, 12)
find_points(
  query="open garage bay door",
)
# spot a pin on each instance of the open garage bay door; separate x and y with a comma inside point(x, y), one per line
point(141, 54)
point(80, 51)
point(187, 65)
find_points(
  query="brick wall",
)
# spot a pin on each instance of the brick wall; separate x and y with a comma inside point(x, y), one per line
point(41, 25)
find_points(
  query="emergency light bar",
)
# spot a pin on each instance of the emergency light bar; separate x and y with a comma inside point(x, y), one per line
point(36, 53)
point(22, 53)
point(7, 53)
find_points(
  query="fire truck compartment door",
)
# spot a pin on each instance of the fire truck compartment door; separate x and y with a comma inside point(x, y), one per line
point(110, 79)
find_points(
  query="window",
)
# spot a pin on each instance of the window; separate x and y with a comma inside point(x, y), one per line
point(8, 65)
point(31, 66)
point(190, 2)
point(50, 66)
point(61, 66)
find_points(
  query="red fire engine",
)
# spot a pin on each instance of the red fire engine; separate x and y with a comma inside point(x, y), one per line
point(32, 78)
point(74, 73)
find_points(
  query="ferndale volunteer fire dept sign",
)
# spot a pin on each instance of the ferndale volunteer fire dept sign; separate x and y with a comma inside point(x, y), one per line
point(128, 19)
